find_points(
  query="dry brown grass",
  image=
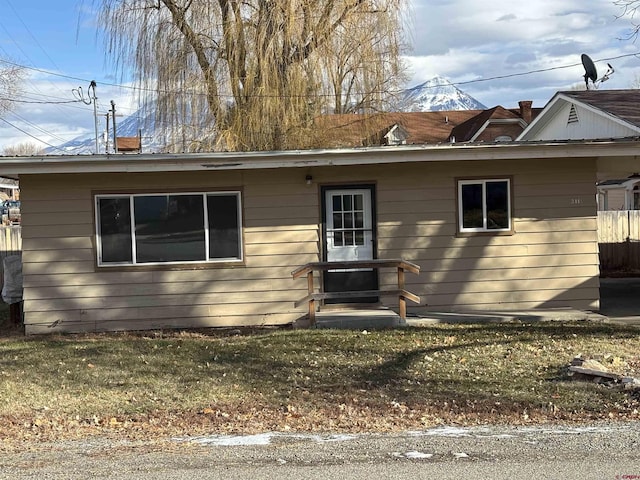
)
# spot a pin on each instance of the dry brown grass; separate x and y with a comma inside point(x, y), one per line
point(160, 384)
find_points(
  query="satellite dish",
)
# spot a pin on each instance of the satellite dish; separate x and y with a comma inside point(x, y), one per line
point(590, 71)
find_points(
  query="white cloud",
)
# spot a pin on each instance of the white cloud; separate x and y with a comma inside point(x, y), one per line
point(462, 40)
point(54, 123)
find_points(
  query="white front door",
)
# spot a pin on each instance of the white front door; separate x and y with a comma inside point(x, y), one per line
point(349, 225)
point(349, 235)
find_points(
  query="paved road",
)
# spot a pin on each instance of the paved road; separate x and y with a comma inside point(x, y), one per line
point(598, 452)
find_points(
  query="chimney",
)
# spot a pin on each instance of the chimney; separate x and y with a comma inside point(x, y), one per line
point(525, 110)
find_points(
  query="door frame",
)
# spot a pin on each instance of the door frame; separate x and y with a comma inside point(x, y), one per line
point(371, 187)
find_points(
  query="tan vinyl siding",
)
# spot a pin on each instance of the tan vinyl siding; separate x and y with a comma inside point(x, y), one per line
point(65, 291)
point(550, 261)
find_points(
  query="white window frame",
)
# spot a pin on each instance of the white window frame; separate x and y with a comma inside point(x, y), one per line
point(134, 261)
point(484, 228)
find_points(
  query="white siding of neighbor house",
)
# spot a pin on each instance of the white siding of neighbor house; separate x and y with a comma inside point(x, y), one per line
point(551, 260)
point(589, 124)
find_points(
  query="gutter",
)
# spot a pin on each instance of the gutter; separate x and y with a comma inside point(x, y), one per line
point(165, 162)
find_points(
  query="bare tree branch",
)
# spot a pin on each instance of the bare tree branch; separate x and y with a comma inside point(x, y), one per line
point(252, 74)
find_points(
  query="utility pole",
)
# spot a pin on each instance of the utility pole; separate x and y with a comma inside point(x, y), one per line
point(92, 86)
point(113, 117)
point(106, 134)
point(92, 98)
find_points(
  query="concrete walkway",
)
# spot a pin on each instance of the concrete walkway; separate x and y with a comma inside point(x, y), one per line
point(620, 304)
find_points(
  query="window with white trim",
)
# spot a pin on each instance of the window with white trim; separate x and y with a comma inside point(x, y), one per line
point(484, 205)
point(165, 228)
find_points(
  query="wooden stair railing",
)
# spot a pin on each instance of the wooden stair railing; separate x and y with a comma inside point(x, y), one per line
point(312, 297)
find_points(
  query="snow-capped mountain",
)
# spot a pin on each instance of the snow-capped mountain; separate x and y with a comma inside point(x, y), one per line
point(436, 94)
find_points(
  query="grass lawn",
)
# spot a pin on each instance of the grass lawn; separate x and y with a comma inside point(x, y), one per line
point(175, 383)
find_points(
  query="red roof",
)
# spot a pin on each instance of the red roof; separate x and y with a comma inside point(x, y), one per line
point(356, 130)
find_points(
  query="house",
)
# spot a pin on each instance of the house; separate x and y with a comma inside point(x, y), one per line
point(590, 115)
point(619, 194)
point(9, 189)
point(587, 114)
point(417, 128)
point(152, 241)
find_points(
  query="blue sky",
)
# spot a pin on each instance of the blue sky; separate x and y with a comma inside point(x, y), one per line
point(534, 45)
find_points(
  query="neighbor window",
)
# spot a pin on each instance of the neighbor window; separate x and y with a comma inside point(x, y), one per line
point(163, 228)
point(484, 205)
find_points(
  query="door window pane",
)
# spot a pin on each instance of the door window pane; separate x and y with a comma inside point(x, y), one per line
point(358, 202)
point(347, 202)
point(348, 220)
point(337, 203)
point(348, 238)
point(337, 220)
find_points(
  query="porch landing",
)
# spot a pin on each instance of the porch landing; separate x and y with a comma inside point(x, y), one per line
point(359, 318)
point(372, 318)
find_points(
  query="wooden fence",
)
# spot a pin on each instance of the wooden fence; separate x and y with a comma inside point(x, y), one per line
point(619, 240)
point(10, 241)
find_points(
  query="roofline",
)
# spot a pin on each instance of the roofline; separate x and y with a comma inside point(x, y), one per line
point(128, 163)
point(630, 182)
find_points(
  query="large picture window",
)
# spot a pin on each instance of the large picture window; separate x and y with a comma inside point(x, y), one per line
point(149, 229)
point(484, 205)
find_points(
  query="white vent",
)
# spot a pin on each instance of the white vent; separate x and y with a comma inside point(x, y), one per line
point(573, 115)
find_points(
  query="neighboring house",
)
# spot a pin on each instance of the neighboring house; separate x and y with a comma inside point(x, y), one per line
point(495, 125)
point(210, 240)
point(417, 128)
point(619, 194)
point(9, 189)
point(596, 115)
point(587, 114)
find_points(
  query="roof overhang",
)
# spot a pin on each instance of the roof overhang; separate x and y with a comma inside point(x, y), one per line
point(128, 163)
point(626, 185)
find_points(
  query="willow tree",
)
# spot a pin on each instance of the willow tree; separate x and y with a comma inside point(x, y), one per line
point(11, 77)
point(252, 74)
point(629, 9)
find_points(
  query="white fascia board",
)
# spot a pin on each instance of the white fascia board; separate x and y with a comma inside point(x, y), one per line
point(16, 166)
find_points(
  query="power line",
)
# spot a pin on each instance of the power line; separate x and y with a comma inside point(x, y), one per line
point(15, 100)
point(28, 134)
point(37, 127)
point(468, 82)
point(510, 75)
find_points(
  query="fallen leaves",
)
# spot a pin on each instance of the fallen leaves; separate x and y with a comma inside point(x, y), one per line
point(156, 385)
